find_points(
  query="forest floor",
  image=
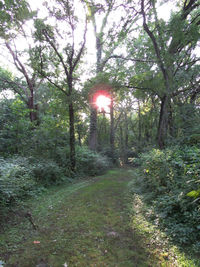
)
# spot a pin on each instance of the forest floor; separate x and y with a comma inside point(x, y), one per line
point(85, 224)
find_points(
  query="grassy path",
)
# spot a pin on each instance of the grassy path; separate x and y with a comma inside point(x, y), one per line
point(85, 224)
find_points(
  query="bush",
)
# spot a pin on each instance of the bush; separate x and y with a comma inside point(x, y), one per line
point(47, 172)
point(91, 163)
point(169, 180)
point(112, 156)
point(61, 157)
point(16, 179)
point(156, 168)
point(169, 167)
point(20, 176)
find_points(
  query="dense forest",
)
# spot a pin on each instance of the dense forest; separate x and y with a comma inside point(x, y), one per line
point(87, 86)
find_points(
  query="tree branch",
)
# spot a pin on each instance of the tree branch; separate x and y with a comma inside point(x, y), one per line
point(188, 7)
point(12, 83)
point(185, 89)
point(56, 51)
point(128, 59)
point(152, 37)
point(56, 85)
point(81, 49)
point(19, 65)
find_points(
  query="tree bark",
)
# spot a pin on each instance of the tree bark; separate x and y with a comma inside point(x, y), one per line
point(72, 137)
point(126, 139)
point(112, 132)
point(30, 84)
point(163, 121)
point(93, 129)
point(79, 135)
point(139, 124)
point(122, 146)
point(32, 107)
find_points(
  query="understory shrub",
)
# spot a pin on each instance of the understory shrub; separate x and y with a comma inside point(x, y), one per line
point(16, 179)
point(91, 163)
point(87, 161)
point(113, 156)
point(169, 182)
point(20, 176)
point(47, 172)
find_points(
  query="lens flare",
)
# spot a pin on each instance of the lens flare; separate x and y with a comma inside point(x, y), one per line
point(103, 102)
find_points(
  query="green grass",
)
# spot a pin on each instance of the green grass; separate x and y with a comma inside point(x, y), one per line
point(84, 224)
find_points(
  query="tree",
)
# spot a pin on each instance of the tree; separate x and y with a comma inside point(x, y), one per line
point(164, 58)
point(107, 40)
point(59, 54)
point(13, 14)
point(13, 18)
point(171, 56)
point(15, 128)
point(28, 90)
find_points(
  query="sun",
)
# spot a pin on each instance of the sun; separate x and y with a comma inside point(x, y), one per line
point(103, 103)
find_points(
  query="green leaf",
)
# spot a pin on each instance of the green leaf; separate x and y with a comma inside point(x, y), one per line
point(193, 193)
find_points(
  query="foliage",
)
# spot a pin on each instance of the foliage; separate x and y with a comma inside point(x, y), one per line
point(47, 172)
point(170, 181)
point(16, 179)
point(14, 126)
point(88, 162)
point(23, 176)
point(91, 163)
point(12, 14)
point(153, 69)
point(113, 157)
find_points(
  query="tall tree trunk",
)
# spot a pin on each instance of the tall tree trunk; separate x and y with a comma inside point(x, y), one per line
point(72, 137)
point(163, 121)
point(112, 132)
point(93, 112)
point(139, 124)
point(93, 129)
point(33, 108)
point(126, 139)
point(99, 67)
point(122, 146)
point(79, 135)
point(171, 122)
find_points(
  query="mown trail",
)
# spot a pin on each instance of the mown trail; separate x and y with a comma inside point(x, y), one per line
point(83, 225)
